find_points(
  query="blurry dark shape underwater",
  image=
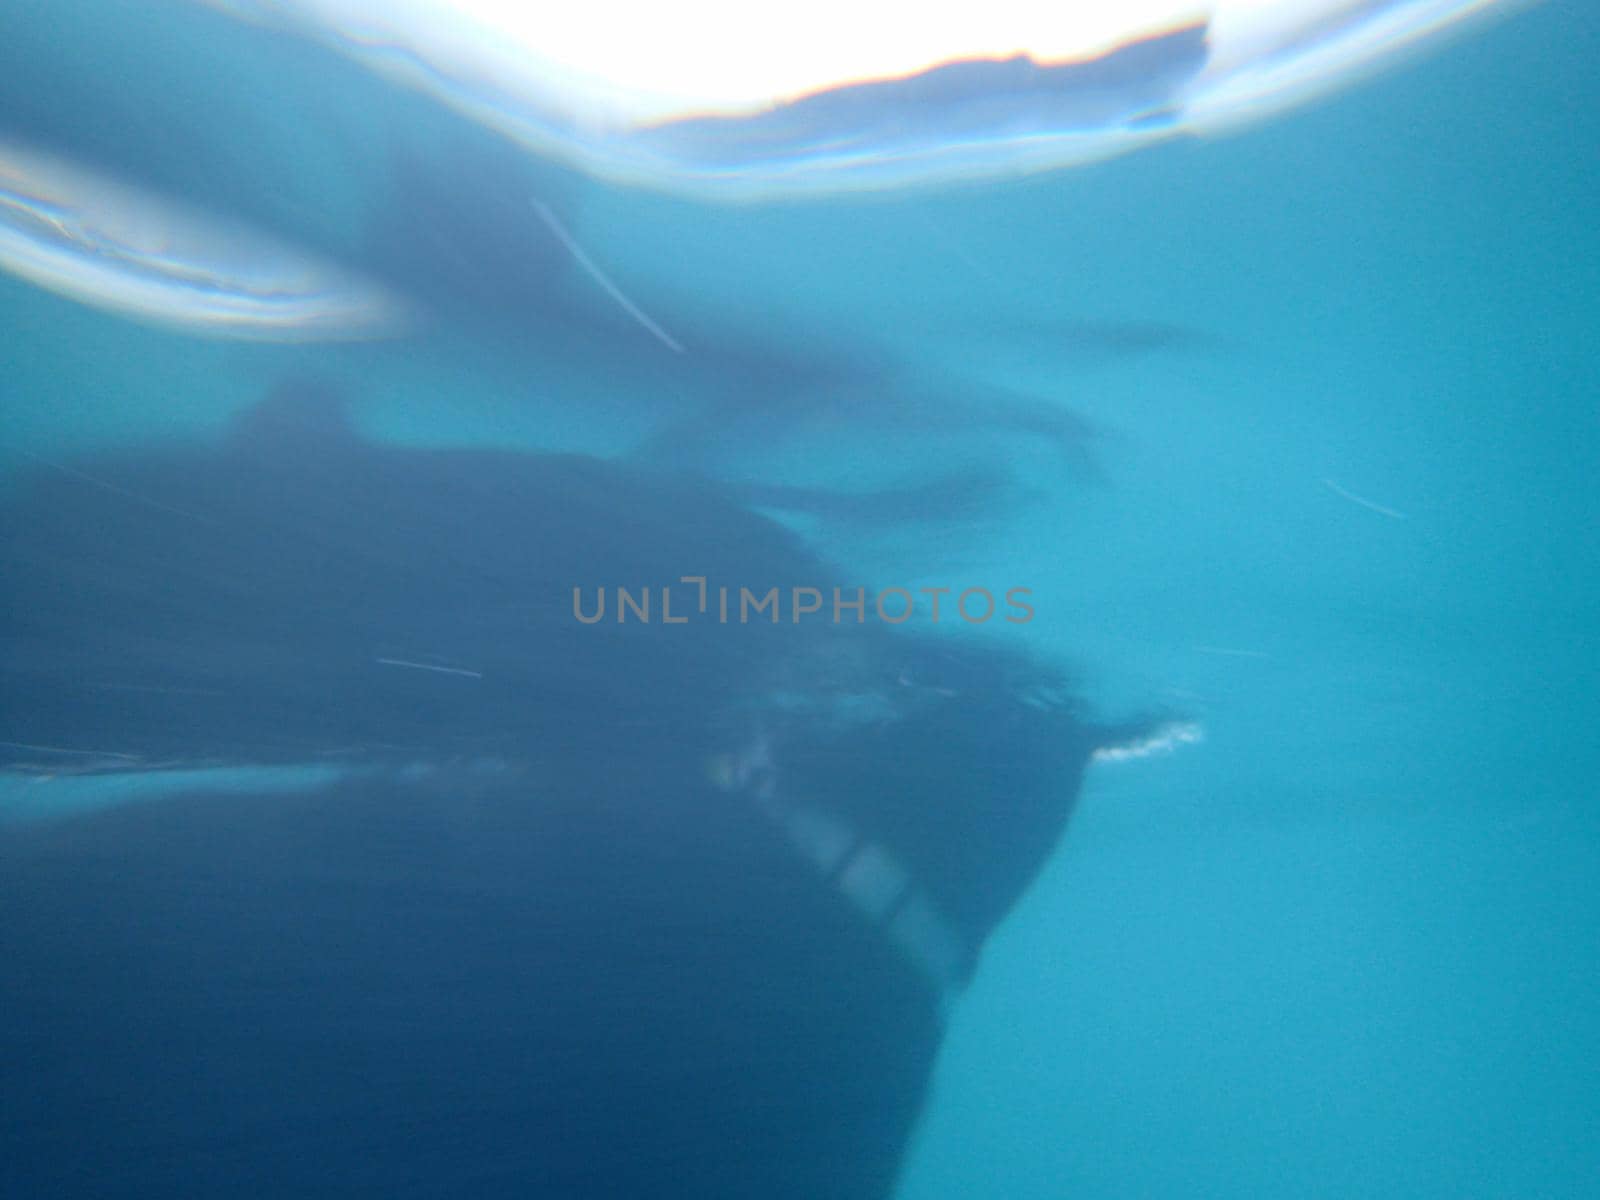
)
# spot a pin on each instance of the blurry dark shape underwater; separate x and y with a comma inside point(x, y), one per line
point(457, 235)
point(604, 910)
point(968, 496)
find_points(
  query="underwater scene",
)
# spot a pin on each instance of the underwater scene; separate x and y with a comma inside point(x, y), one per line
point(835, 603)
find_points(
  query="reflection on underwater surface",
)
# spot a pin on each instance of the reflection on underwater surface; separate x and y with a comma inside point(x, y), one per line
point(421, 888)
point(703, 99)
point(972, 113)
point(99, 242)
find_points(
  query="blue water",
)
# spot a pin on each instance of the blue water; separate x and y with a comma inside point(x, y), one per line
point(1347, 945)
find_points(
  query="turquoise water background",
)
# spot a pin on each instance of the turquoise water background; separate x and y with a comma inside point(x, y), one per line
point(1347, 946)
point(1350, 946)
